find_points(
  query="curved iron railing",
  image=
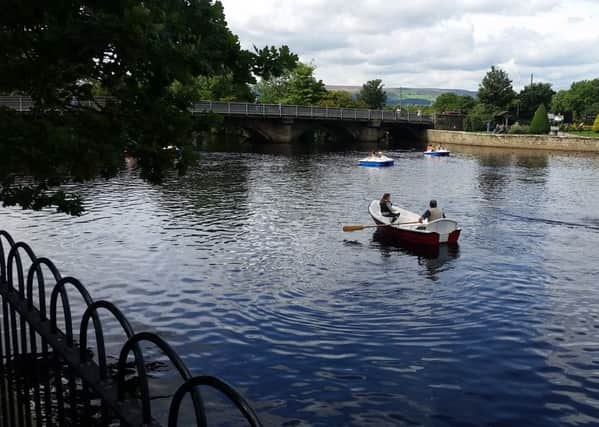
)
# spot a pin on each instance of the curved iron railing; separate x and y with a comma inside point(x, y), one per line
point(47, 378)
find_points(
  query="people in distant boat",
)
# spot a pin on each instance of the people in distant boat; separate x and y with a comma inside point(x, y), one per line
point(387, 208)
point(430, 147)
point(432, 213)
point(379, 154)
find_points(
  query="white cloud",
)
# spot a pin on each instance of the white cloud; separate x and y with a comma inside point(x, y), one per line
point(429, 43)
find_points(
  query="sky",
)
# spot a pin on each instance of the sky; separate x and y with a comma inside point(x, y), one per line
point(448, 44)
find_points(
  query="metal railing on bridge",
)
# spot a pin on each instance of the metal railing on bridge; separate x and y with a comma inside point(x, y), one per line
point(309, 112)
point(49, 376)
point(24, 103)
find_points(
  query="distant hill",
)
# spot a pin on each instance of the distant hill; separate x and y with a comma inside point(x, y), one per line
point(408, 96)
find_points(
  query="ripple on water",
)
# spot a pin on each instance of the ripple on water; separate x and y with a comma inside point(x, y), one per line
point(243, 267)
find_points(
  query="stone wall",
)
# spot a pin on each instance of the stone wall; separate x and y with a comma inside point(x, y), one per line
point(535, 142)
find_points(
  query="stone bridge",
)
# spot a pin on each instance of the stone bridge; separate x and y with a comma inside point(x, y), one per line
point(286, 123)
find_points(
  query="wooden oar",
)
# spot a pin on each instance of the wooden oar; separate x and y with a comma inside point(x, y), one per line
point(356, 227)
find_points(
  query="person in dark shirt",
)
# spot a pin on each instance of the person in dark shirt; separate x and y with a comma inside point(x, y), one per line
point(387, 208)
point(432, 213)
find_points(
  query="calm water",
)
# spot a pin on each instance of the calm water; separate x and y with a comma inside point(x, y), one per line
point(243, 267)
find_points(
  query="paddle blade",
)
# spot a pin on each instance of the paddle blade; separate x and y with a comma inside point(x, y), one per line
point(353, 227)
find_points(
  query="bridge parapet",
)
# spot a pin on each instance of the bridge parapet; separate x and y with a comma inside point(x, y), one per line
point(309, 112)
point(25, 103)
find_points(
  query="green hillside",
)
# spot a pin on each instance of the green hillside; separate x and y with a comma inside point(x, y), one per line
point(408, 96)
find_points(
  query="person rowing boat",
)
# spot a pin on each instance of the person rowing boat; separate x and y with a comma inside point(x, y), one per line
point(432, 213)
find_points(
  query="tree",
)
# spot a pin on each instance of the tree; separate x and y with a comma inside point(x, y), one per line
point(152, 57)
point(477, 118)
point(372, 94)
point(303, 88)
point(596, 124)
point(540, 122)
point(452, 102)
point(532, 96)
point(496, 89)
point(297, 86)
point(582, 99)
point(338, 98)
point(271, 62)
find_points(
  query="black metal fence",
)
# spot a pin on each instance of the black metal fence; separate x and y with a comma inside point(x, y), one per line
point(49, 376)
point(449, 121)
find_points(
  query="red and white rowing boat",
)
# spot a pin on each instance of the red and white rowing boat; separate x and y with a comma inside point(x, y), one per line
point(407, 229)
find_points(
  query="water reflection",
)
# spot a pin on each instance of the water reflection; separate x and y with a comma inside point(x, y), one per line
point(242, 266)
point(433, 259)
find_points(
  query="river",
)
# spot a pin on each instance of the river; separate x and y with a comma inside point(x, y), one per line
point(242, 266)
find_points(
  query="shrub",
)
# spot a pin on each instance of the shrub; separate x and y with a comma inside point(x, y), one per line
point(477, 118)
point(540, 122)
point(596, 124)
point(519, 129)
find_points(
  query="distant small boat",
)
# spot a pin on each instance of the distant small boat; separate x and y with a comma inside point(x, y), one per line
point(376, 161)
point(408, 230)
point(436, 153)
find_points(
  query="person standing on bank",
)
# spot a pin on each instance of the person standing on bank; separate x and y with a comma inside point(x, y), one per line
point(387, 208)
point(432, 213)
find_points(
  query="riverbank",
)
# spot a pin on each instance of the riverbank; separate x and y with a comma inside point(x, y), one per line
point(535, 142)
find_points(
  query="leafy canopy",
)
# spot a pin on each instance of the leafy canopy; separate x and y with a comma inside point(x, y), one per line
point(496, 89)
point(532, 96)
point(339, 98)
point(582, 99)
point(452, 102)
point(153, 57)
point(297, 86)
point(372, 94)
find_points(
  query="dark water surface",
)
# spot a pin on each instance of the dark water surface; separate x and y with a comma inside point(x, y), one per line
point(243, 267)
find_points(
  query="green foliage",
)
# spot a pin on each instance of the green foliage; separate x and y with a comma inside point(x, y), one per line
point(297, 86)
point(477, 118)
point(338, 98)
point(532, 96)
point(214, 88)
point(303, 88)
point(272, 91)
point(496, 89)
point(596, 124)
point(152, 57)
point(372, 94)
point(540, 122)
point(271, 62)
point(452, 102)
point(519, 129)
point(582, 99)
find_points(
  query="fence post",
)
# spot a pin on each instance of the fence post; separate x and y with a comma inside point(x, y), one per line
point(296, 111)
point(20, 103)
